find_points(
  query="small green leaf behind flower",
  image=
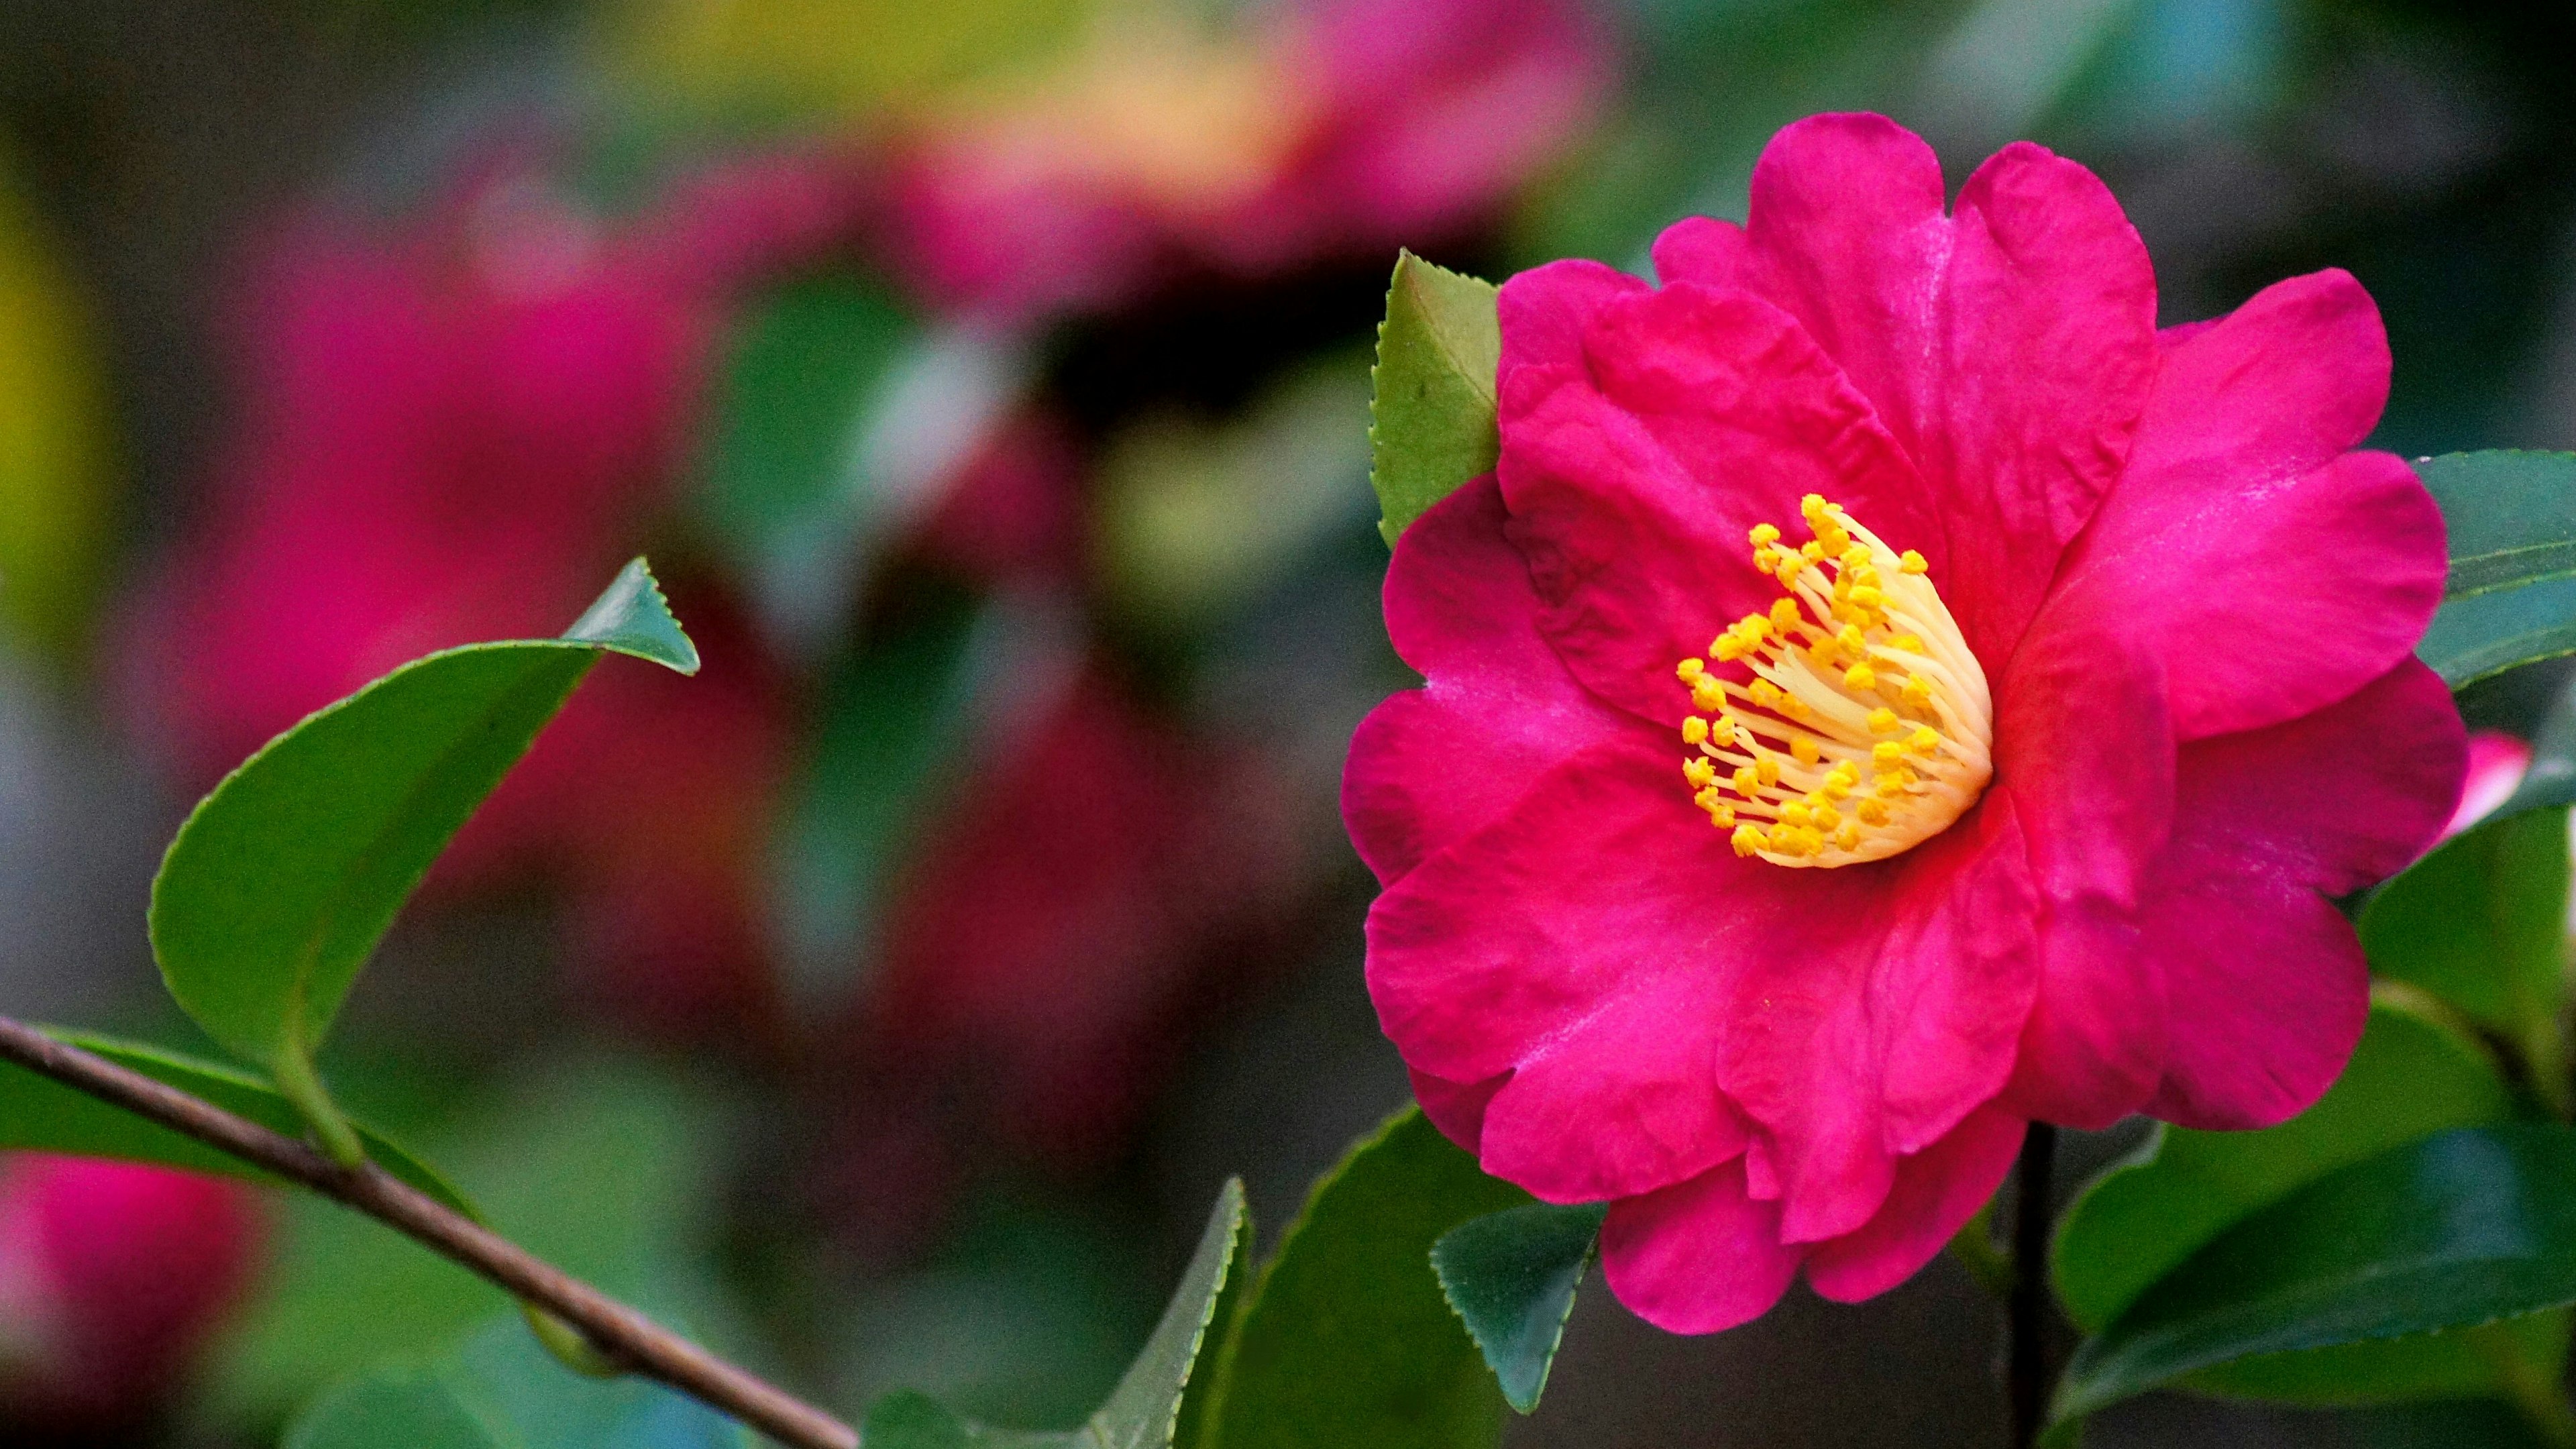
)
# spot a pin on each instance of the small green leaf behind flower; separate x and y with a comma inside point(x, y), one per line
point(2510, 598)
point(1431, 418)
point(279, 886)
point(1511, 1277)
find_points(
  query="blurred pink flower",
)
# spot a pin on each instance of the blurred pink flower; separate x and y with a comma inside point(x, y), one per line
point(1344, 127)
point(112, 1274)
point(2497, 762)
point(457, 430)
point(1103, 874)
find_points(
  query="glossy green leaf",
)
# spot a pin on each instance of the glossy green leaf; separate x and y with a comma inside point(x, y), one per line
point(40, 1114)
point(2511, 517)
point(1431, 420)
point(1511, 1276)
point(1144, 1411)
point(2144, 1216)
point(2454, 1230)
point(1346, 1338)
point(2506, 628)
point(2480, 922)
point(417, 1408)
point(278, 887)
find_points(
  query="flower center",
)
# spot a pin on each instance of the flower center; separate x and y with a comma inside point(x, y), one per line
point(1865, 727)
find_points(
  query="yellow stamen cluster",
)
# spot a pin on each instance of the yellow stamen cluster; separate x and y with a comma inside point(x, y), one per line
point(1862, 726)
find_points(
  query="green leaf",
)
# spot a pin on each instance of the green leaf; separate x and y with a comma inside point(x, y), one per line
point(2410, 1076)
point(1144, 1411)
point(1511, 1278)
point(40, 1114)
point(2503, 629)
point(414, 1407)
point(1431, 421)
point(2462, 1228)
point(280, 884)
point(2511, 517)
point(2480, 922)
point(1346, 1338)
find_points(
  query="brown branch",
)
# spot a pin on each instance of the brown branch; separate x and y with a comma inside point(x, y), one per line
point(621, 1334)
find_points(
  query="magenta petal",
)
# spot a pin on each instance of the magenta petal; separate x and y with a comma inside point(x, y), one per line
point(1633, 479)
point(1937, 1190)
point(2084, 751)
point(1699, 1256)
point(1700, 249)
point(2497, 763)
point(2009, 348)
point(1544, 311)
point(1456, 1108)
point(2267, 826)
point(2274, 572)
point(1496, 708)
point(1579, 943)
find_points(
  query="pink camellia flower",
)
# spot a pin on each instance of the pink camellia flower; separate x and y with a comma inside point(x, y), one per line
point(2497, 763)
point(2060, 675)
point(111, 1276)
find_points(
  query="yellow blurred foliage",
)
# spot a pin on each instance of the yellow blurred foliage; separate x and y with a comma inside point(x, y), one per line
point(54, 478)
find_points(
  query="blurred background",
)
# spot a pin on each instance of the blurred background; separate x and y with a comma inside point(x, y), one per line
point(988, 381)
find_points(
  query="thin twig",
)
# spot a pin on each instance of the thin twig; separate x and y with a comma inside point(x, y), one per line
point(621, 1334)
point(2027, 1374)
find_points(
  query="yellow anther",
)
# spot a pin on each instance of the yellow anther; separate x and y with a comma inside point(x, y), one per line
point(1855, 557)
point(1745, 781)
point(1789, 565)
point(1753, 628)
point(1881, 721)
point(1705, 692)
point(1912, 562)
point(1906, 643)
point(1860, 677)
point(1766, 768)
point(1766, 694)
point(1873, 811)
point(1749, 840)
point(1844, 773)
point(1868, 597)
point(1924, 740)
point(1812, 507)
point(1708, 797)
point(1805, 749)
point(1848, 837)
point(1794, 814)
point(1825, 815)
point(1726, 648)
point(1699, 772)
point(1917, 692)
point(1794, 707)
point(1694, 730)
point(1833, 539)
point(1886, 754)
point(1690, 670)
point(1721, 816)
point(1762, 534)
point(1850, 638)
point(1721, 731)
point(1812, 551)
point(1784, 614)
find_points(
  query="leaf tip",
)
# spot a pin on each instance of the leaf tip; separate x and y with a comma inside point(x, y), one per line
point(632, 617)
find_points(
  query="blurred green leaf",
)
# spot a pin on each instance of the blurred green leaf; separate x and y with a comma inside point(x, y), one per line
point(1511, 1276)
point(417, 1408)
point(1346, 1338)
point(894, 723)
point(1431, 420)
point(1144, 1411)
point(39, 1114)
point(599, 1167)
point(2481, 923)
point(2511, 516)
point(278, 887)
point(2455, 1230)
point(2143, 1217)
point(2504, 628)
